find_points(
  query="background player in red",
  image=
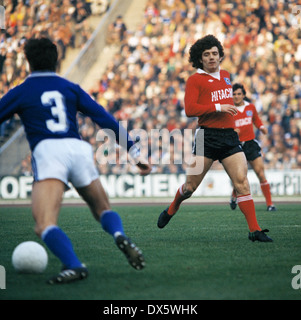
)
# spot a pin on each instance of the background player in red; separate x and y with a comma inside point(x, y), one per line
point(244, 119)
point(208, 96)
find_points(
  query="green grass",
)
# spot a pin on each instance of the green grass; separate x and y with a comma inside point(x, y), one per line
point(204, 253)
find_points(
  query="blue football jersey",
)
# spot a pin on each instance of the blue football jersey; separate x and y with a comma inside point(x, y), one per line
point(47, 105)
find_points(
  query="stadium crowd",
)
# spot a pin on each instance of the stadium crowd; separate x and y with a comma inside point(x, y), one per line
point(144, 83)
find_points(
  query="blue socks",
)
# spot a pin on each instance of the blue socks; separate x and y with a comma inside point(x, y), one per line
point(61, 246)
point(111, 223)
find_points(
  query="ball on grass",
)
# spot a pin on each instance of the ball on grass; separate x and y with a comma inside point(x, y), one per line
point(29, 257)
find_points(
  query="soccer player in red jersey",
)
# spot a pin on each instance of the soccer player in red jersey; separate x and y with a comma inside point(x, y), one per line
point(244, 119)
point(209, 97)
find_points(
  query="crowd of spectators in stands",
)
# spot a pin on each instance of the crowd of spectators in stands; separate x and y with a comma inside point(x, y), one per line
point(144, 82)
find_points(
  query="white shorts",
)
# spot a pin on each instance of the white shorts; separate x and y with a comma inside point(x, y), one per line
point(68, 160)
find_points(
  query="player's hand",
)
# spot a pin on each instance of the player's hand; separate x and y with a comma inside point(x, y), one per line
point(263, 129)
point(229, 108)
point(145, 168)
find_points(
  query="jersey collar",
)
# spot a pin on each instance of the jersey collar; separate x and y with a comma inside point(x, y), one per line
point(242, 108)
point(215, 75)
point(42, 74)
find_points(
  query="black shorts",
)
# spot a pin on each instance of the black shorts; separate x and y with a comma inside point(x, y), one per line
point(251, 149)
point(216, 144)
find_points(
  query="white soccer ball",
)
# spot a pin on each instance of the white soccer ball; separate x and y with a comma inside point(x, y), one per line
point(29, 257)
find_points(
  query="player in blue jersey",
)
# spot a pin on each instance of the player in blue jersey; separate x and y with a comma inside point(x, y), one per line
point(47, 105)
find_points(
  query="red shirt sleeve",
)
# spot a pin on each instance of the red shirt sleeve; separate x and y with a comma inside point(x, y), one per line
point(256, 120)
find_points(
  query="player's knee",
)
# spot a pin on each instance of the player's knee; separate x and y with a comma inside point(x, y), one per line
point(242, 185)
point(261, 177)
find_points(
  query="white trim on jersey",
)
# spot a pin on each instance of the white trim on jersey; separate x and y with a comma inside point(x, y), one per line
point(215, 75)
point(242, 108)
point(43, 74)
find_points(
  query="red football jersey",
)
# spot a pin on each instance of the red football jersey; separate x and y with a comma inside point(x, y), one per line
point(203, 95)
point(244, 119)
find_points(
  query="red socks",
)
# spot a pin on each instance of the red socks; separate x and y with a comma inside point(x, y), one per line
point(247, 207)
point(265, 188)
point(179, 198)
point(245, 203)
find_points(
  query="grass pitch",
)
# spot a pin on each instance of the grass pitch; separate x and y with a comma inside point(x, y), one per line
point(202, 254)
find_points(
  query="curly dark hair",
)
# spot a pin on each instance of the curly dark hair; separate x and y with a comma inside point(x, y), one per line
point(197, 49)
point(237, 86)
point(41, 54)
